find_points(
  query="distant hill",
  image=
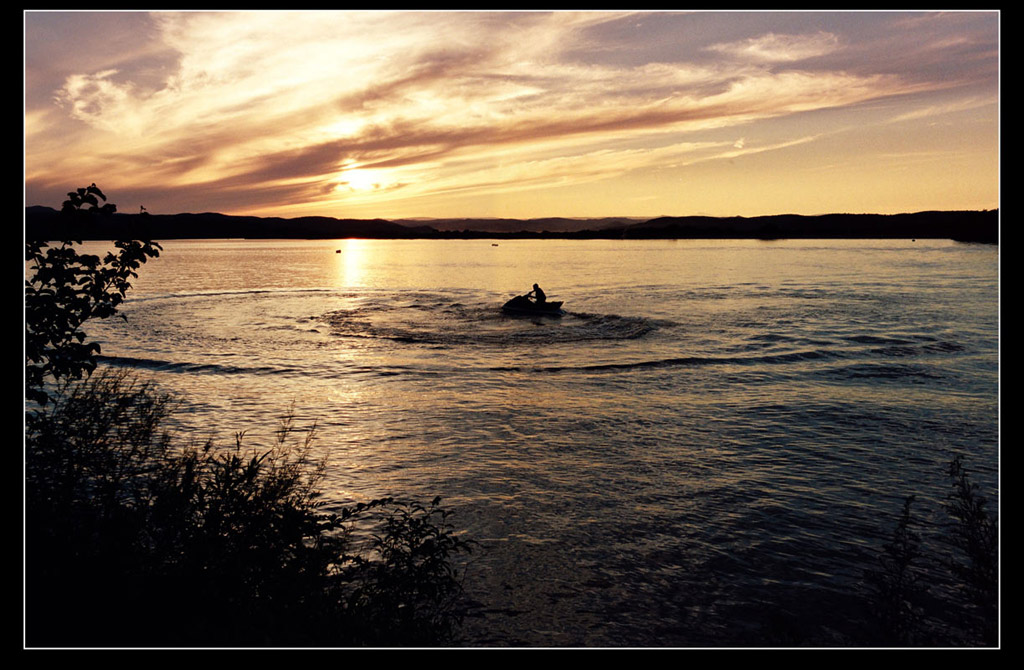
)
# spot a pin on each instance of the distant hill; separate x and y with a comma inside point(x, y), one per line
point(47, 223)
point(539, 225)
point(974, 226)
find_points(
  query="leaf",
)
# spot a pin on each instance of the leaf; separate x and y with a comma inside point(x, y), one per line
point(95, 189)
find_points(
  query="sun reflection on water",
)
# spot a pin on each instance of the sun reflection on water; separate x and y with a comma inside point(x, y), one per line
point(351, 262)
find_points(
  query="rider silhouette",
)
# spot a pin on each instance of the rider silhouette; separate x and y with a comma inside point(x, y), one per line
point(538, 294)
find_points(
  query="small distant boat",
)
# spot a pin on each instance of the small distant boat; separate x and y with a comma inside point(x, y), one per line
point(523, 305)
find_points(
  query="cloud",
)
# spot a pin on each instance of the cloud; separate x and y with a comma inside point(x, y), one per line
point(100, 102)
point(251, 110)
point(950, 107)
point(773, 48)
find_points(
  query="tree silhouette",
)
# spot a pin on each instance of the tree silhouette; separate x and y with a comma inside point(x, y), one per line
point(64, 289)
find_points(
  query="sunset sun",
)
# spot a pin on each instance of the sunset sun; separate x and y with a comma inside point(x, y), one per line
point(359, 180)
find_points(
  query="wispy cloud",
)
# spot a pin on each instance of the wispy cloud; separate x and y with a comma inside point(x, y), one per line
point(279, 109)
point(944, 109)
point(773, 48)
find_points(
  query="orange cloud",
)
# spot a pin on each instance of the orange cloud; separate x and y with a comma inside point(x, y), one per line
point(269, 111)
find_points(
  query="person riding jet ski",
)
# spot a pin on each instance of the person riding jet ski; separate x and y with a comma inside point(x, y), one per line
point(538, 294)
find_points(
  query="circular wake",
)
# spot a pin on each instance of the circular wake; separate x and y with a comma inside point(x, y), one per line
point(438, 321)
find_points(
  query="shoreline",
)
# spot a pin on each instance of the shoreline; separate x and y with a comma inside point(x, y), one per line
point(964, 226)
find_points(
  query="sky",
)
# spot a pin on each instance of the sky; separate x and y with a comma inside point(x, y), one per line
point(402, 114)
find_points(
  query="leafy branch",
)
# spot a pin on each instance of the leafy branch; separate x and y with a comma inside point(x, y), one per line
point(65, 289)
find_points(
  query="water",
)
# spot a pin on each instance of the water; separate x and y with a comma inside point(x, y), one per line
point(708, 448)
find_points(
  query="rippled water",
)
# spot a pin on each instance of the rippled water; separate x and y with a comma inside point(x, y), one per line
point(709, 447)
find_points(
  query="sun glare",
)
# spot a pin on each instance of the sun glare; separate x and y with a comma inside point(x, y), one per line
point(359, 180)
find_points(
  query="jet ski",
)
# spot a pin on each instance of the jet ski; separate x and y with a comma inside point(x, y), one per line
point(523, 305)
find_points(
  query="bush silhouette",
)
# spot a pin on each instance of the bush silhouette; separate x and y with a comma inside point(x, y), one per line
point(132, 541)
point(135, 539)
point(910, 611)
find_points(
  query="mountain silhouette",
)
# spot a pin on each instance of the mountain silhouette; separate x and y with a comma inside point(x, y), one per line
point(974, 226)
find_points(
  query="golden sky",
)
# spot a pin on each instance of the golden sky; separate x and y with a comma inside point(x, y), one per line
point(398, 114)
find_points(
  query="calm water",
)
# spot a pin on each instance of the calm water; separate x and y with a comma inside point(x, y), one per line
point(710, 446)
